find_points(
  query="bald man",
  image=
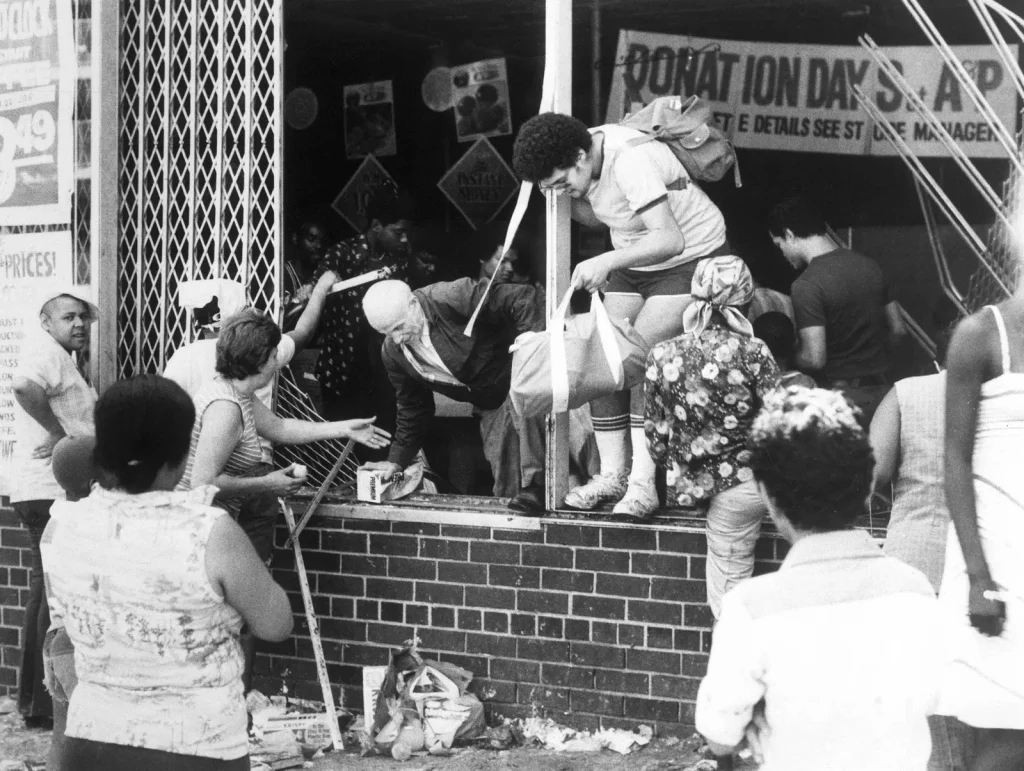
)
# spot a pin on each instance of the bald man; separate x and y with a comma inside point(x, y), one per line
point(425, 352)
point(53, 401)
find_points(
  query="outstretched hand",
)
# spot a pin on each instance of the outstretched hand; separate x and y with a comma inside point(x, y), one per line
point(363, 431)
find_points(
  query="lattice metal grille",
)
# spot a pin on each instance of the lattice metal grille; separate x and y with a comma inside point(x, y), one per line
point(1003, 253)
point(200, 155)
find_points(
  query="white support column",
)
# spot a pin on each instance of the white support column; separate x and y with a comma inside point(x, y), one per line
point(558, 61)
point(106, 27)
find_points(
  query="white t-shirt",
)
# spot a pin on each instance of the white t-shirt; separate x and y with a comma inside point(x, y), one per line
point(72, 400)
point(633, 178)
point(194, 365)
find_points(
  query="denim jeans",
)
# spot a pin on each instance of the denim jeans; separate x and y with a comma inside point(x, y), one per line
point(33, 700)
point(733, 525)
point(60, 679)
point(954, 744)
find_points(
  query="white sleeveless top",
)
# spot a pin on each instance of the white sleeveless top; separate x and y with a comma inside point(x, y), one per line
point(157, 649)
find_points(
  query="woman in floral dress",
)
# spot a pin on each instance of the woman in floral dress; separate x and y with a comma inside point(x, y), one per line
point(704, 389)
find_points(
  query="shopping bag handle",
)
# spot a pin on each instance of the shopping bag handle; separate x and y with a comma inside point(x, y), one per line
point(559, 365)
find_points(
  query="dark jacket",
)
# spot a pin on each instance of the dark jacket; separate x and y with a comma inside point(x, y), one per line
point(481, 363)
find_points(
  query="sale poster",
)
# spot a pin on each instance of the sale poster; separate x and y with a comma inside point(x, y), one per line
point(480, 96)
point(38, 67)
point(370, 120)
point(480, 183)
point(350, 203)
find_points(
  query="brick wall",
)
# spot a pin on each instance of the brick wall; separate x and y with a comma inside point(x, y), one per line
point(590, 623)
point(14, 562)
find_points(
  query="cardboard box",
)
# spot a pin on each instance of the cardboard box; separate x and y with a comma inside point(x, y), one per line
point(313, 730)
point(370, 486)
point(373, 679)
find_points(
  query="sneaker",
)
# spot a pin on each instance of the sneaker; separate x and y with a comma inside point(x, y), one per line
point(610, 486)
point(639, 502)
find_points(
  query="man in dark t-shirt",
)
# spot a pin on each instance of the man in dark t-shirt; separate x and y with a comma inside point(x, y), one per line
point(845, 320)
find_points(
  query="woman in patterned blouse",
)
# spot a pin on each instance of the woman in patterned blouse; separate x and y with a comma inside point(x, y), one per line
point(704, 389)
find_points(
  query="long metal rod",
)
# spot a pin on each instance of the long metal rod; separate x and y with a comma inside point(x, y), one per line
point(955, 151)
point(324, 487)
point(965, 80)
point(1009, 61)
point(314, 634)
point(938, 253)
point(595, 56)
point(933, 188)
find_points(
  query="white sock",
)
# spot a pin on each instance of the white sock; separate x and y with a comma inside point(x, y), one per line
point(613, 448)
point(643, 464)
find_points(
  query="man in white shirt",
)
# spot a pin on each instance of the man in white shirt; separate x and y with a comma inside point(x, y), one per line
point(791, 647)
point(52, 401)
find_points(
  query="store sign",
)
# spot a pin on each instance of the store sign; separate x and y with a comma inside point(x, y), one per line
point(480, 183)
point(351, 201)
point(778, 96)
point(30, 265)
point(370, 120)
point(480, 98)
point(37, 92)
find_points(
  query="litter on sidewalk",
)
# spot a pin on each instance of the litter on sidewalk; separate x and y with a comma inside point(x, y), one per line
point(563, 739)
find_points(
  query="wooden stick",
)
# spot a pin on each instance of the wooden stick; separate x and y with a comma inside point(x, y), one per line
point(314, 633)
point(320, 493)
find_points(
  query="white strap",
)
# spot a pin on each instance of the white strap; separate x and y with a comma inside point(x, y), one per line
point(1004, 342)
point(559, 364)
point(606, 332)
point(547, 103)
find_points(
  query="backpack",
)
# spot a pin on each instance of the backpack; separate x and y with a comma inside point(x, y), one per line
point(687, 129)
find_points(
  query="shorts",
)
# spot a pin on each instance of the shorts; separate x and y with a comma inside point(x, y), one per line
point(673, 281)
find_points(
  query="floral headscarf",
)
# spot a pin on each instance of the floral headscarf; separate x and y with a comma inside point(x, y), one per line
point(720, 284)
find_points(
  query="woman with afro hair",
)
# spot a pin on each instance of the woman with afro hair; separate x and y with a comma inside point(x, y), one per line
point(661, 224)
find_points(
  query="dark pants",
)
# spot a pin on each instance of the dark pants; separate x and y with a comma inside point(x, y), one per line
point(866, 398)
point(33, 699)
point(85, 755)
point(257, 516)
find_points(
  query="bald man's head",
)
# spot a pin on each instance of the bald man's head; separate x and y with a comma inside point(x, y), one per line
point(392, 309)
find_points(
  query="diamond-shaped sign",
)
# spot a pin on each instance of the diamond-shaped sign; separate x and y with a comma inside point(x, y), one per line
point(351, 201)
point(480, 183)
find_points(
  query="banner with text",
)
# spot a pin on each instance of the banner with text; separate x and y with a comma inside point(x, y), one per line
point(30, 264)
point(37, 91)
point(784, 96)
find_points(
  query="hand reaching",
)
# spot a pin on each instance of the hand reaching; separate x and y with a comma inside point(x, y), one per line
point(391, 470)
point(363, 431)
point(327, 280)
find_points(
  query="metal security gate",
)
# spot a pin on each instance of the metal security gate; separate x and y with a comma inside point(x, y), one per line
point(199, 178)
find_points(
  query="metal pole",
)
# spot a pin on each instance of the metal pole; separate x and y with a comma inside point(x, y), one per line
point(595, 56)
point(314, 635)
point(558, 68)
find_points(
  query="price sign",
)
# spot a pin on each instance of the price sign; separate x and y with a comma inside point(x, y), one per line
point(37, 82)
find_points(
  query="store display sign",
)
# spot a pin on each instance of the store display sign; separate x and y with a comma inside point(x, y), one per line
point(30, 264)
point(351, 201)
point(480, 183)
point(480, 98)
point(779, 96)
point(370, 120)
point(37, 91)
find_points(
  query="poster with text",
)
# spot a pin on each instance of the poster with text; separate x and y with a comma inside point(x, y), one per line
point(779, 96)
point(30, 264)
point(37, 90)
point(370, 120)
point(480, 183)
point(480, 97)
point(351, 201)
